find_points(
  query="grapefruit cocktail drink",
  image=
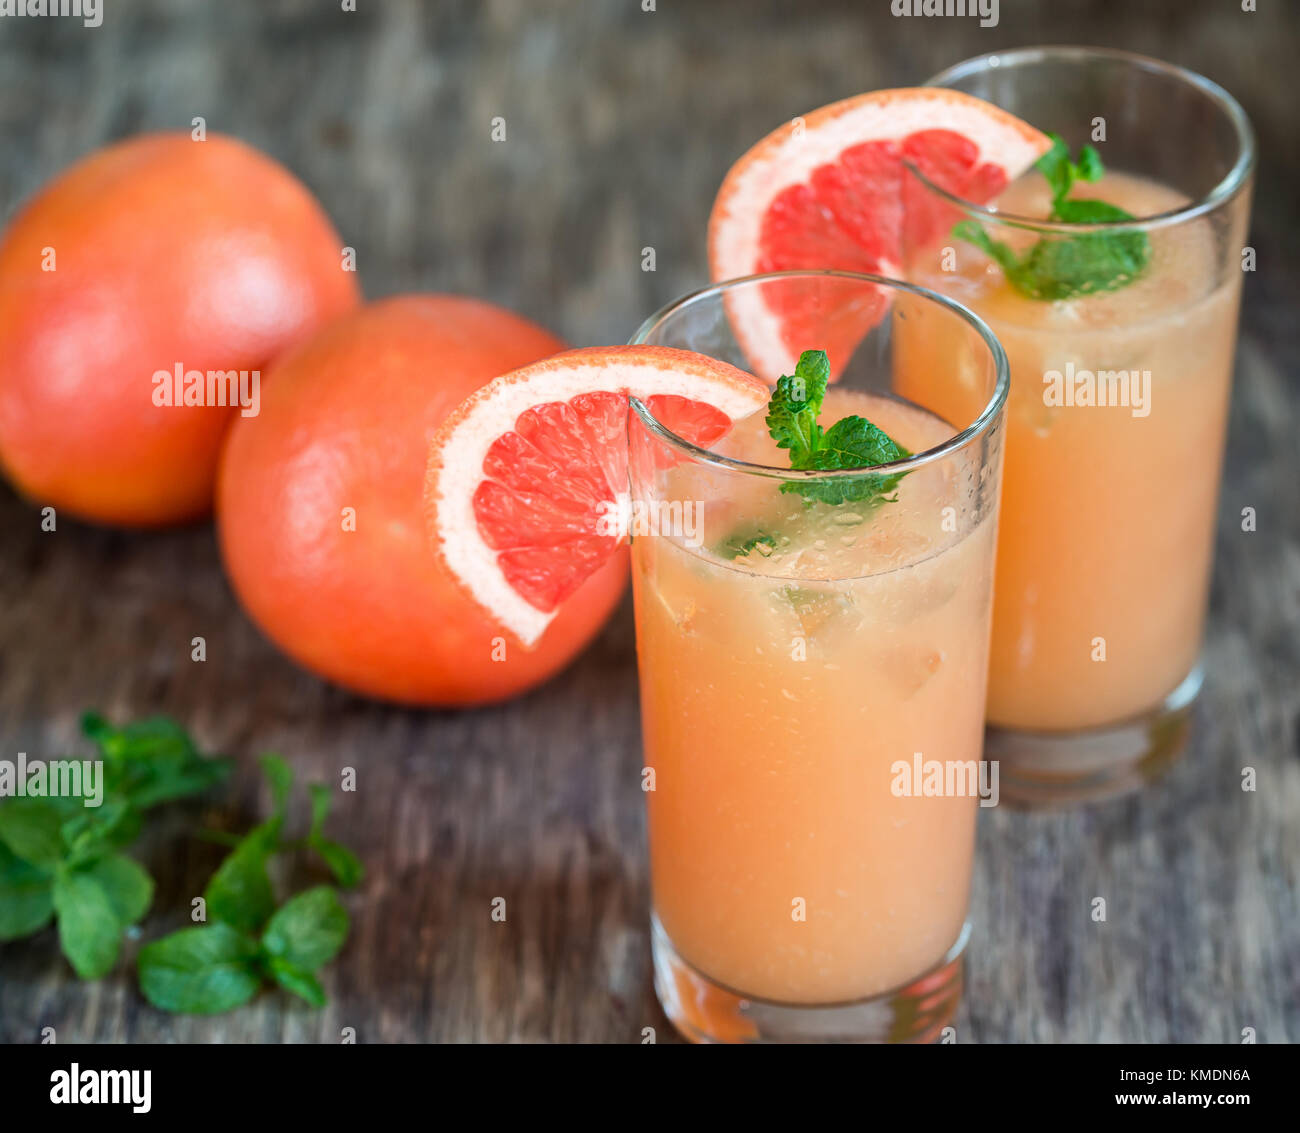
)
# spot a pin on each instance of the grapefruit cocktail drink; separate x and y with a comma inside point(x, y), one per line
point(812, 643)
point(1113, 280)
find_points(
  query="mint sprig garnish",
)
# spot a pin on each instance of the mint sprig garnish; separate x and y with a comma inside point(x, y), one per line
point(1066, 267)
point(852, 442)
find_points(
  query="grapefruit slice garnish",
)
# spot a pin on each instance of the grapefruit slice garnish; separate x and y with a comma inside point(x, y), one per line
point(827, 191)
point(522, 473)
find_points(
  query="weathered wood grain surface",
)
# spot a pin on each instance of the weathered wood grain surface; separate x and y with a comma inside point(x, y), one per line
point(620, 126)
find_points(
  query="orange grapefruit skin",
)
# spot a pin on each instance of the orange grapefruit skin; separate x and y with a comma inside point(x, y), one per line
point(164, 250)
point(346, 422)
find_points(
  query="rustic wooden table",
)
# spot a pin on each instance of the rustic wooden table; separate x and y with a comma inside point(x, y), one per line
point(621, 124)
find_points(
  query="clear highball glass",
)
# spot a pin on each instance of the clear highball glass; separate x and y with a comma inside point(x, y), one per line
point(812, 649)
point(1117, 414)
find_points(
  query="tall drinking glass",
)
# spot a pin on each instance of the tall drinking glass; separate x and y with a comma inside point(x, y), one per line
point(1118, 406)
point(812, 661)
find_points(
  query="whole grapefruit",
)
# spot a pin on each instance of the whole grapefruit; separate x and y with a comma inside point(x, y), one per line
point(321, 517)
point(154, 254)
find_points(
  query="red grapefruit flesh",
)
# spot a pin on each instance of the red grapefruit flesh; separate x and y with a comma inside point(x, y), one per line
point(828, 191)
point(523, 472)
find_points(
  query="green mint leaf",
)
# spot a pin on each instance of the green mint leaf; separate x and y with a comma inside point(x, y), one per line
point(201, 971)
point(93, 906)
point(1062, 173)
point(92, 832)
point(1002, 254)
point(1093, 212)
point(794, 405)
point(853, 442)
point(1063, 268)
point(169, 782)
point(870, 491)
point(1089, 168)
point(135, 748)
point(307, 930)
point(342, 862)
point(127, 886)
point(94, 727)
point(741, 543)
point(321, 801)
point(153, 761)
point(141, 739)
point(26, 899)
point(297, 980)
point(89, 931)
point(32, 829)
point(240, 893)
point(1083, 265)
point(1056, 167)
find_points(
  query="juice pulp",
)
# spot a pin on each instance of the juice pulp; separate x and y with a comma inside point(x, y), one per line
point(1107, 522)
point(777, 688)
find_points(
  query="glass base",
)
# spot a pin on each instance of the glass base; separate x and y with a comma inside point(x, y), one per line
point(708, 1012)
point(1043, 770)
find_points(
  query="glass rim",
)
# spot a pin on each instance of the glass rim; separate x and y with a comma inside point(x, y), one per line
point(960, 440)
point(1233, 182)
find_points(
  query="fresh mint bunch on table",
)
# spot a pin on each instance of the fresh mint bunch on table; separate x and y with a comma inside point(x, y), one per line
point(61, 860)
point(1066, 267)
point(251, 938)
point(852, 442)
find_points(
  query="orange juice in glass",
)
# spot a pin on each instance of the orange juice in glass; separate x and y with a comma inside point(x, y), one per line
point(1117, 413)
point(812, 692)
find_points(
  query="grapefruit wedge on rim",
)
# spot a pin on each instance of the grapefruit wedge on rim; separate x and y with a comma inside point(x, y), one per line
point(522, 472)
point(827, 191)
